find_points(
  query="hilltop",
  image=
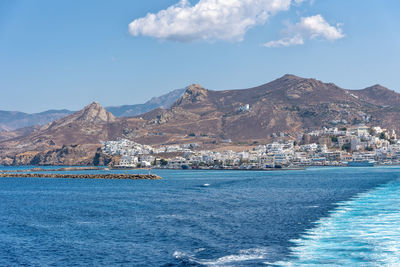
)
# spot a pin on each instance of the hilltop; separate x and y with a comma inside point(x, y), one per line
point(289, 105)
point(70, 140)
point(23, 122)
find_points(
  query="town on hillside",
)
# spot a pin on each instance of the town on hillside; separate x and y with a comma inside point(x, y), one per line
point(356, 146)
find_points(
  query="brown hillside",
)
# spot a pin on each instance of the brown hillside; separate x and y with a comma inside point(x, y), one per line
point(289, 104)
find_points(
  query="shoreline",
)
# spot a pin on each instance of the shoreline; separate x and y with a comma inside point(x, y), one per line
point(211, 169)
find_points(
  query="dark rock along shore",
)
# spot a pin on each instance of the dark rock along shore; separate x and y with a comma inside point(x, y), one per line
point(82, 176)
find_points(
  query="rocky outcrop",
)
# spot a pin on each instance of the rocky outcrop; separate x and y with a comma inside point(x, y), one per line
point(102, 159)
point(66, 155)
point(24, 158)
point(194, 93)
point(94, 113)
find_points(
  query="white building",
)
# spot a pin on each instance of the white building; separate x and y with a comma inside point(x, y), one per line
point(128, 161)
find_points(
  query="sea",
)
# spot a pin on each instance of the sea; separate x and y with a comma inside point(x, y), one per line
point(319, 216)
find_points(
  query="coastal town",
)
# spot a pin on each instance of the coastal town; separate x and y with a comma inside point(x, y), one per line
point(354, 146)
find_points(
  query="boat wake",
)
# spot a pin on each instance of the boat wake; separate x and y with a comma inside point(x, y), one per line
point(241, 258)
point(364, 231)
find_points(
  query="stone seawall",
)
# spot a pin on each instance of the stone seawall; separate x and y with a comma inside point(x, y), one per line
point(82, 176)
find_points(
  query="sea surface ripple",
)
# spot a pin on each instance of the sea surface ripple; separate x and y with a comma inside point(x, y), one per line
point(320, 216)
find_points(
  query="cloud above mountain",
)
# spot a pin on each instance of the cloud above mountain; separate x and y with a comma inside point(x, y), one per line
point(314, 27)
point(208, 20)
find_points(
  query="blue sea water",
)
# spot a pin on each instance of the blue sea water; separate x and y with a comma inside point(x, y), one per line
point(331, 216)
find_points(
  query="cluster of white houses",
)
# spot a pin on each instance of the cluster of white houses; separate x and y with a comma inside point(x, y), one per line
point(328, 146)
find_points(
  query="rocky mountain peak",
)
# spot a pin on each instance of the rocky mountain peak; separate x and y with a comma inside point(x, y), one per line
point(94, 112)
point(290, 77)
point(291, 81)
point(297, 87)
point(195, 89)
point(194, 93)
point(94, 104)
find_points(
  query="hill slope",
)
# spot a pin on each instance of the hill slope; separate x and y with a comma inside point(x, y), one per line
point(290, 104)
point(11, 120)
point(87, 126)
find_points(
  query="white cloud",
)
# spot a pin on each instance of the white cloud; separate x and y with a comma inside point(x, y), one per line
point(285, 42)
point(308, 28)
point(208, 19)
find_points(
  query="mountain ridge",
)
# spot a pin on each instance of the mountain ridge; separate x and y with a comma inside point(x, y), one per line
point(287, 106)
point(163, 101)
point(13, 120)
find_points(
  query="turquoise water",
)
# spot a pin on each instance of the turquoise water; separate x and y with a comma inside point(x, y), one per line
point(331, 216)
point(363, 231)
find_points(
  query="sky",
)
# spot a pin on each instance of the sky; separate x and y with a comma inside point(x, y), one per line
point(68, 53)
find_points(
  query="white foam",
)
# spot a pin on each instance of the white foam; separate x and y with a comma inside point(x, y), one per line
point(242, 256)
point(363, 231)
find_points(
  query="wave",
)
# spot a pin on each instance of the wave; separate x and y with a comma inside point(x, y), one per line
point(363, 231)
point(243, 256)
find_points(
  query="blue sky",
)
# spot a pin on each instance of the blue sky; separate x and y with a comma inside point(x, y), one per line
point(67, 53)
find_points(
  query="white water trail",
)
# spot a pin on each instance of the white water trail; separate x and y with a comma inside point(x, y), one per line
point(364, 231)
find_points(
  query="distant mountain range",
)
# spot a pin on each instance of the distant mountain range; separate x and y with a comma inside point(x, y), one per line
point(164, 101)
point(12, 120)
point(291, 105)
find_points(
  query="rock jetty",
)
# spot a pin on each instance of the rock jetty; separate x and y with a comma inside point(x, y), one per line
point(82, 176)
point(54, 170)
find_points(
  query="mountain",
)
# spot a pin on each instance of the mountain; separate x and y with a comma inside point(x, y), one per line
point(87, 128)
point(11, 120)
point(289, 105)
point(164, 101)
point(72, 140)
point(379, 95)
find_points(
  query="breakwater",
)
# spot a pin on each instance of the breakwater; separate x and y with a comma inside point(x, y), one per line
point(82, 176)
point(55, 169)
